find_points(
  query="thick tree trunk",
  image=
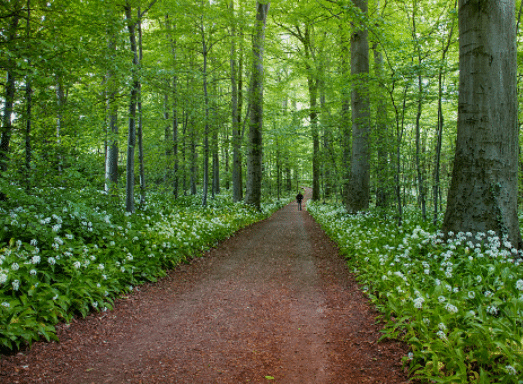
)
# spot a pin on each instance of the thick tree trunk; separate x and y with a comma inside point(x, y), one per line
point(359, 183)
point(483, 190)
point(255, 152)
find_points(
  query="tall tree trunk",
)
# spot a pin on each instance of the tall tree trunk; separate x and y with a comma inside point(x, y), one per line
point(483, 189)
point(135, 86)
point(206, 123)
point(436, 188)
point(175, 130)
point(419, 169)
point(111, 161)
point(10, 89)
point(346, 129)
point(312, 84)
point(359, 183)
point(29, 104)
point(235, 117)
point(140, 117)
point(255, 152)
point(382, 145)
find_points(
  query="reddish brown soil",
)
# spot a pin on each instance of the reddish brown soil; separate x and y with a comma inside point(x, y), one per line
point(274, 301)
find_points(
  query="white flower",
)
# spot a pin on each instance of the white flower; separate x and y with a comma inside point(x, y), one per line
point(77, 264)
point(101, 267)
point(442, 299)
point(33, 272)
point(51, 261)
point(35, 259)
point(15, 267)
point(16, 285)
point(488, 294)
point(442, 335)
point(451, 308)
point(519, 285)
point(3, 278)
point(493, 310)
point(33, 242)
point(511, 370)
point(479, 279)
point(472, 294)
point(442, 327)
point(6, 304)
point(418, 302)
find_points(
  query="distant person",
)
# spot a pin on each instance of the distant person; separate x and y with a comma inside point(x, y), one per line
point(299, 198)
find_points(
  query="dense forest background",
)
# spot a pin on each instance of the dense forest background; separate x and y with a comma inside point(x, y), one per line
point(109, 94)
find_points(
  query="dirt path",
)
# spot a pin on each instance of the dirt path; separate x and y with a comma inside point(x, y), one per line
point(274, 301)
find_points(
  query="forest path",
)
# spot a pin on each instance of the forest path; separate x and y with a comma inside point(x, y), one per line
point(273, 304)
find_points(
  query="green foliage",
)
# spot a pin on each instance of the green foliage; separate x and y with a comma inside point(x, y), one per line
point(458, 302)
point(67, 253)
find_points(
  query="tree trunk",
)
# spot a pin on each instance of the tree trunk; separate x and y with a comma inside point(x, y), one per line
point(346, 130)
point(235, 117)
point(175, 164)
point(29, 105)
point(382, 145)
point(255, 153)
point(10, 89)
point(483, 190)
point(206, 123)
point(436, 188)
point(140, 117)
point(135, 85)
point(419, 170)
point(359, 182)
point(111, 160)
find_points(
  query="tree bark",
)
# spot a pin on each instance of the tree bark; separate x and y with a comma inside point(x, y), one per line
point(140, 117)
point(383, 142)
point(10, 89)
point(235, 120)
point(206, 123)
point(135, 85)
point(111, 161)
point(255, 152)
point(359, 182)
point(483, 190)
point(346, 128)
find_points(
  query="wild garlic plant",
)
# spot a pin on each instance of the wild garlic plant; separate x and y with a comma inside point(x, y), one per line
point(63, 254)
point(456, 298)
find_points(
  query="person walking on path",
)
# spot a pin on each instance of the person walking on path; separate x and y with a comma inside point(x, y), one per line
point(299, 198)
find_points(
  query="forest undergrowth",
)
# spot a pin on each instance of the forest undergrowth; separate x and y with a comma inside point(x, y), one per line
point(69, 252)
point(457, 301)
